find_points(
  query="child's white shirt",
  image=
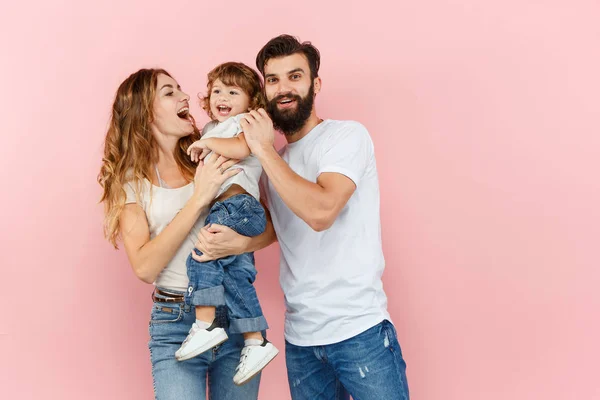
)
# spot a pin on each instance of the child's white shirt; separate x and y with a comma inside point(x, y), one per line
point(252, 170)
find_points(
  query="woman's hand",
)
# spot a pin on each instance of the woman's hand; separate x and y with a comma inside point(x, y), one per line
point(210, 175)
point(218, 241)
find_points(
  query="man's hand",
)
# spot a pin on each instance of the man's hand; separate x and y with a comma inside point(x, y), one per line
point(258, 130)
point(218, 241)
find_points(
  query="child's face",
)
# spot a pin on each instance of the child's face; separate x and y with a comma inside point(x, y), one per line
point(227, 101)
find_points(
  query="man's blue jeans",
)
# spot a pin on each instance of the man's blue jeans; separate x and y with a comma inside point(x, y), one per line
point(368, 366)
point(228, 281)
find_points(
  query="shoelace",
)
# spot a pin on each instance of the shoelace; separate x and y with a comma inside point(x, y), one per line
point(242, 363)
point(193, 330)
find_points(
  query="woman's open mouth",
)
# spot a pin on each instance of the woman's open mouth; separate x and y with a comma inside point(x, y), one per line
point(184, 113)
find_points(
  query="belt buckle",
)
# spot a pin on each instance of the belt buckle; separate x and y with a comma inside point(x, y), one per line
point(175, 298)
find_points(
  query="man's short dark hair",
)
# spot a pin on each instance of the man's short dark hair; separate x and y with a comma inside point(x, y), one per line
point(286, 45)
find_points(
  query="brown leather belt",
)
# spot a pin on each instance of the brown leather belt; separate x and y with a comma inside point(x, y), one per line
point(167, 297)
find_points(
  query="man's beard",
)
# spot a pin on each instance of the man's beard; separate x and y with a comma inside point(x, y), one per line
point(290, 121)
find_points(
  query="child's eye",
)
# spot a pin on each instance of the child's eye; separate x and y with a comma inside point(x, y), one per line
point(233, 92)
point(216, 91)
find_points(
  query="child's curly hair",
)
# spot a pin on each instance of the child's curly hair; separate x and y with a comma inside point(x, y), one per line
point(235, 74)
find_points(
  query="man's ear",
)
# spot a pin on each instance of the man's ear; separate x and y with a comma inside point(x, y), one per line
point(317, 83)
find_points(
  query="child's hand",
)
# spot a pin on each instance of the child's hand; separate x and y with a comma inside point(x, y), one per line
point(198, 150)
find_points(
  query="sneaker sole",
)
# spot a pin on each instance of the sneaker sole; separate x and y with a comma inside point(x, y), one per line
point(216, 341)
point(262, 365)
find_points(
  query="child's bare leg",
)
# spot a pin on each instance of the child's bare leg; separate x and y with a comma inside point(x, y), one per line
point(256, 354)
point(205, 314)
point(253, 335)
point(203, 336)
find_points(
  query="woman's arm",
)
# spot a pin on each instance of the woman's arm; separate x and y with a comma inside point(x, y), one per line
point(149, 257)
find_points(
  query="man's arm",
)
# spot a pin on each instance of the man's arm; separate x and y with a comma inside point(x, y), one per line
point(218, 241)
point(318, 204)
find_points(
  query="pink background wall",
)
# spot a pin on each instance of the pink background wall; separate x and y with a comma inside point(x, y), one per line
point(485, 117)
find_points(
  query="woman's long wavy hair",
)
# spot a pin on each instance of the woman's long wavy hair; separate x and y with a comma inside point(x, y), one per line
point(130, 149)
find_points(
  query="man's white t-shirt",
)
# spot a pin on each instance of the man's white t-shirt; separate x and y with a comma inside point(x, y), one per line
point(332, 279)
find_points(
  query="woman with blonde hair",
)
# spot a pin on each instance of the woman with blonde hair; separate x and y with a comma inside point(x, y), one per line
point(155, 200)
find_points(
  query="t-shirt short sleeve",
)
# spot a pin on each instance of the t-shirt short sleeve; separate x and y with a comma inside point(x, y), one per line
point(347, 151)
point(238, 126)
point(263, 186)
point(210, 125)
point(227, 129)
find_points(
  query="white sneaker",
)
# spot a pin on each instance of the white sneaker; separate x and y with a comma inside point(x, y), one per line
point(200, 340)
point(253, 360)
